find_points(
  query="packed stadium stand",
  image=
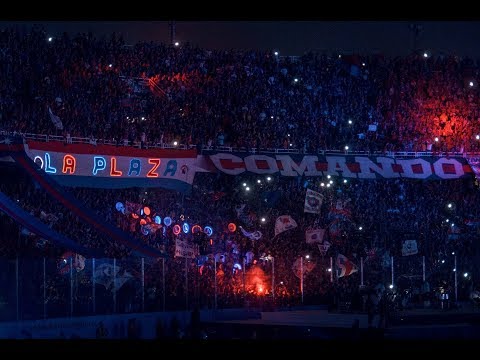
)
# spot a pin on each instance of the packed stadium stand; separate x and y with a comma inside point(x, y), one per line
point(152, 177)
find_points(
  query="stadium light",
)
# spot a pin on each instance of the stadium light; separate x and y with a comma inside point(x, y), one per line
point(331, 181)
point(470, 83)
point(454, 269)
point(175, 143)
point(465, 274)
point(453, 224)
point(391, 286)
point(296, 80)
point(453, 252)
point(269, 178)
point(263, 219)
point(477, 137)
point(259, 181)
point(275, 53)
point(328, 185)
point(443, 261)
point(360, 228)
point(291, 144)
point(177, 43)
point(247, 188)
point(436, 139)
point(350, 122)
point(110, 65)
point(244, 184)
point(346, 147)
point(345, 181)
point(447, 220)
point(340, 56)
point(307, 256)
point(50, 39)
point(322, 184)
point(425, 55)
point(449, 205)
point(328, 176)
point(363, 64)
point(329, 270)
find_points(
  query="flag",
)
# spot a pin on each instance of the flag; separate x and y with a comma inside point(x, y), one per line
point(78, 262)
point(315, 235)
point(344, 266)
point(409, 248)
point(111, 277)
point(305, 265)
point(55, 119)
point(323, 247)
point(255, 235)
point(313, 202)
point(284, 223)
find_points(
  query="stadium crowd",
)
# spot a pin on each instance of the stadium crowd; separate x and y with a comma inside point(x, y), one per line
point(156, 94)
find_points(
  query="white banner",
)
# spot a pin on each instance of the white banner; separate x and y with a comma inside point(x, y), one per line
point(409, 247)
point(284, 223)
point(185, 249)
point(313, 202)
point(314, 236)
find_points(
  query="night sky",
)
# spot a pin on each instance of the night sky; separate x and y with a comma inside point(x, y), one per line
point(294, 37)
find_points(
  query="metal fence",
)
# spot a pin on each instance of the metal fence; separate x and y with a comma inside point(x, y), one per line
point(40, 288)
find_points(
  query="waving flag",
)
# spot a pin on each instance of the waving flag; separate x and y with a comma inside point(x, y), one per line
point(255, 235)
point(304, 266)
point(323, 247)
point(55, 119)
point(313, 202)
point(314, 236)
point(409, 248)
point(344, 266)
point(284, 223)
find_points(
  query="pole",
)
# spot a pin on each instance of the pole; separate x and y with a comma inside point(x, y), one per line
point(361, 271)
point(163, 282)
point(273, 278)
point(392, 270)
point(71, 286)
point(456, 271)
point(143, 284)
point(423, 268)
point(16, 287)
point(93, 285)
point(186, 284)
point(44, 289)
point(244, 270)
point(114, 287)
point(215, 283)
point(331, 269)
point(301, 277)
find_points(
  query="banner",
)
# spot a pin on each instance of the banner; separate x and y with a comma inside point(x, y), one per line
point(474, 163)
point(284, 223)
point(314, 236)
point(409, 247)
point(185, 249)
point(347, 166)
point(313, 202)
point(107, 166)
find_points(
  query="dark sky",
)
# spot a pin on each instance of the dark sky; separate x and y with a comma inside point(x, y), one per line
point(295, 37)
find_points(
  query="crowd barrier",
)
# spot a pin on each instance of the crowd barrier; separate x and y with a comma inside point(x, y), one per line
point(48, 288)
